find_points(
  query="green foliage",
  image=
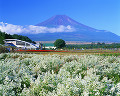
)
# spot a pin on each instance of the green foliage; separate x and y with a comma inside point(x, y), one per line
point(24, 38)
point(110, 54)
point(59, 43)
point(1, 40)
point(93, 46)
point(4, 35)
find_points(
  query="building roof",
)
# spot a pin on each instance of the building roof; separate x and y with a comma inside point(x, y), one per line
point(21, 41)
point(10, 44)
point(16, 40)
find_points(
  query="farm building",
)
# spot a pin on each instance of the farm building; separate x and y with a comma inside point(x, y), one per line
point(21, 44)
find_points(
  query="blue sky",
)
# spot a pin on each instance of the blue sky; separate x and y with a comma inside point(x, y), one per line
point(99, 14)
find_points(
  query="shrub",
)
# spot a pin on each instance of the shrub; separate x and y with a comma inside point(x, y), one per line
point(3, 49)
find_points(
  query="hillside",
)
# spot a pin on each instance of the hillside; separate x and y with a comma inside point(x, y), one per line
point(4, 35)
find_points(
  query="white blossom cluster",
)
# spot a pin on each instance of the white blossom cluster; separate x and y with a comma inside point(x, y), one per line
point(57, 75)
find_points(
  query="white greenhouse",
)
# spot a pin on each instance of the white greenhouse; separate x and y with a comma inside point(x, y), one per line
point(21, 44)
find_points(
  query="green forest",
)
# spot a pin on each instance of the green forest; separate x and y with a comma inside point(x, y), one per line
point(4, 35)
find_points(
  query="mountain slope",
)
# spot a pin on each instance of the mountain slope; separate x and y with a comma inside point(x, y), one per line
point(58, 20)
point(76, 36)
point(64, 20)
point(81, 32)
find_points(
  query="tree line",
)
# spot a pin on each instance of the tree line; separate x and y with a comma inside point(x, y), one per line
point(93, 46)
point(4, 35)
point(59, 43)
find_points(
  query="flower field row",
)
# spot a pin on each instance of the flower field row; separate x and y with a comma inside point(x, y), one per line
point(57, 75)
point(39, 51)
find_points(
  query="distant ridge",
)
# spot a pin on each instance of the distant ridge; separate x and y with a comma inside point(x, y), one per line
point(81, 32)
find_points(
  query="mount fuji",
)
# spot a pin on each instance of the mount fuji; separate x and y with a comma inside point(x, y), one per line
point(63, 27)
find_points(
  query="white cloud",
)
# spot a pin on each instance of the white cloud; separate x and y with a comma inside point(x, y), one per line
point(31, 29)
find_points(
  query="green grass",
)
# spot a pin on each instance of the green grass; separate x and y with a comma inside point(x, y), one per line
point(110, 54)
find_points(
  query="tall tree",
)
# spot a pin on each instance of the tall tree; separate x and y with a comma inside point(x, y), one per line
point(59, 43)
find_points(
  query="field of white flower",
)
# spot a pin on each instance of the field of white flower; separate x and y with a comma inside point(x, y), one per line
point(57, 75)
